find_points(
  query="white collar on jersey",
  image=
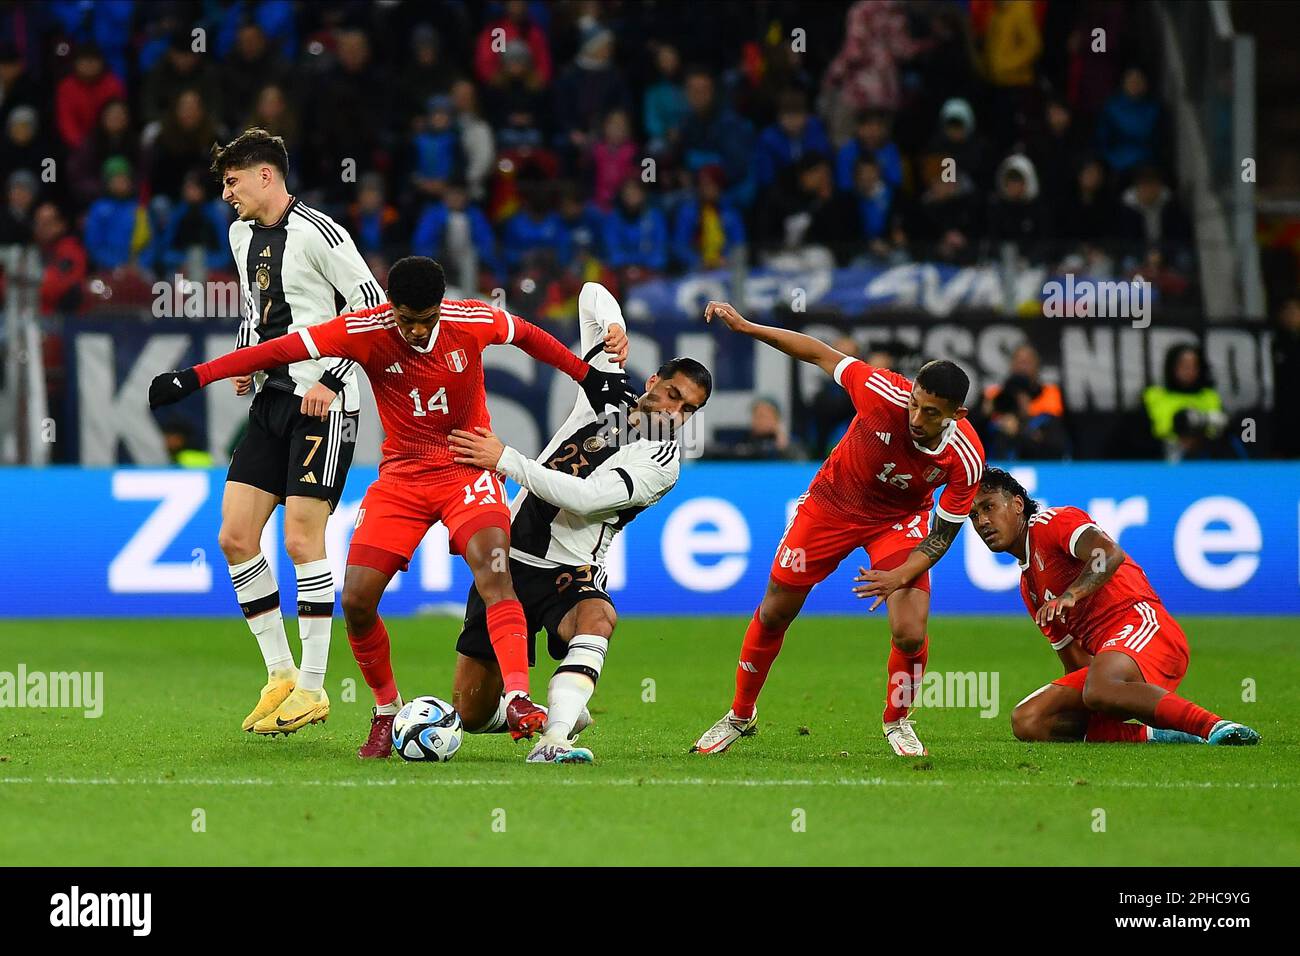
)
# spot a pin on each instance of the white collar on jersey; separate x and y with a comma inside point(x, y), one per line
point(946, 436)
point(433, 337)
point(1024, 565)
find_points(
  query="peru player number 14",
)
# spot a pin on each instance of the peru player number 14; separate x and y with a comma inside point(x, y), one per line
point(438, 403)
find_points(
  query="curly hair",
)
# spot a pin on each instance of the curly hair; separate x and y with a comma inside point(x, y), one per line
point(416, 282)
point(252, 147)
point(995, 479)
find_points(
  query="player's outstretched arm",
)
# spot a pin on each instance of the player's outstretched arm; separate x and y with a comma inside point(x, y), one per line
point(881, 584)
point(171, 387)
point(601, 388)
point(1101, 557)
point(795, 344)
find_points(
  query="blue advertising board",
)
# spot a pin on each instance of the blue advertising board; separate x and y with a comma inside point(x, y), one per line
point(1213, 538)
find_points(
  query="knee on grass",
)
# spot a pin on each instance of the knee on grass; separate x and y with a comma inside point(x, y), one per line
point(1030, 724)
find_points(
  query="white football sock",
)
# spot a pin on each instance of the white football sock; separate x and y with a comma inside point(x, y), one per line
point(390, 708)
point(315, 619)
point(259, 599)
point(496, 723)
point(574, 683)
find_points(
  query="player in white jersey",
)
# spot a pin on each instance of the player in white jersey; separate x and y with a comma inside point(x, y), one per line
point(595, 475)
point(297, 268)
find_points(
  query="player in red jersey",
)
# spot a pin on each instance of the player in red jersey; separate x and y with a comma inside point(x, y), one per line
point(423, 356)
point(875, 492)
point(1124, 654)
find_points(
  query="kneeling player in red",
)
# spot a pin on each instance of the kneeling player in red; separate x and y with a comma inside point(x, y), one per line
point(423, 356)
point(1124, 654)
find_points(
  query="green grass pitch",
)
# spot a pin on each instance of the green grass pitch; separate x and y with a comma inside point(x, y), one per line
point(818, 785)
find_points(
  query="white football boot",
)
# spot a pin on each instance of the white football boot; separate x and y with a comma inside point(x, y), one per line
point(725, 733)
point(902, 737)
point(557, 750)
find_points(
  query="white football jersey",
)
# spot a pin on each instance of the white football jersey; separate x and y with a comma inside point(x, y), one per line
point(298, 272)
point(594, 476)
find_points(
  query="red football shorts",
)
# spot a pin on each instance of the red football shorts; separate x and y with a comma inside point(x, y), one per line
point(396, 513)
point(1152, 638)
point(816, 541)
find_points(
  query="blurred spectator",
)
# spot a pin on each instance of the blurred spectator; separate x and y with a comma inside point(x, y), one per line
point(63, 261)
point(1091, 212)
point(497, 35)
point(1090, 79)
point(17, 85)
point(23, 146)
point(795, 134)
point(1055, 150)
point(82, 94)
point(274, 112)
point(813, 213)
point(475, 138)
point(587, 90)
point(832, 407)
point(20, 201)
point(117, 228)
point(105, 25)
point(374, 223)
point(516, 100)
point(114, 135)
point(1012, 46)
point(253, 65)
point(636, 233)
point(436, 153)
point(664, 105)
point(199, 225)
point(456, 233)
point(1152, 215)
point(767, 439)
point(714, 135)
point(1185, 413)
point(583, 222)
point(180, 142)
point(178, 437)
point(871, 140)
point(180, 69)
point(708, 230)
point(1128, 129)
point(1024, 415)
point(535, 235)
point(1016, 214)
point(613, 158)
point(864, 74)
point(1286, 378)
point(957, 141)
point(946, 222)
point(427, 72)
point(875, 206)
point(352, 120)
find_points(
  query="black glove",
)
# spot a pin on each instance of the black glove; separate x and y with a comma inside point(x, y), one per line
point(604, 389)
point(171, 387)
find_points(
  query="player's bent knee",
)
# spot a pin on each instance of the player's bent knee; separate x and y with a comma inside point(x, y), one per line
point(1099, 696)
point(359, 607)
point(908, 637)
point(596, 617)
point(237, 544)
point(303, 547)
point(1027, 724)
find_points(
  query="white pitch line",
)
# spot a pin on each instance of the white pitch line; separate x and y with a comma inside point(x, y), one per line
point(631, 782)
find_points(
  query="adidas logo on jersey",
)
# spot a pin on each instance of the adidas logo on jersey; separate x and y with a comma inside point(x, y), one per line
point(309, 479)
point(884, 436)
point(265, 253)
point(395, 367)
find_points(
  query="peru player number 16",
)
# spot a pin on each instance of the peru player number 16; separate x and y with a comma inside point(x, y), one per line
point(437, 403)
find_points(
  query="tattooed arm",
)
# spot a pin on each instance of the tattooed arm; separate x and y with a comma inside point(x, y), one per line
point(1101, 558)
point(926, 555)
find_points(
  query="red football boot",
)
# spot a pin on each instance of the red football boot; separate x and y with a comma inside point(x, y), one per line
point(380, 742)
point(524, 718)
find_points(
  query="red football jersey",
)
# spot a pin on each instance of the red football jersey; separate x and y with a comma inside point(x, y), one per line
point(421, 394)
point(877, 473)
point(1051, 568)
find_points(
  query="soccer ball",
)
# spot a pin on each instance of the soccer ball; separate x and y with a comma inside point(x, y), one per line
point(427, 728)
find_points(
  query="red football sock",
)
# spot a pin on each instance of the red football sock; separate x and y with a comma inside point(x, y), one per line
point(905, 671)
point(757, 654)
point(1111, 730)
point(1175, 713)
point(508, 631)
point(371, 652)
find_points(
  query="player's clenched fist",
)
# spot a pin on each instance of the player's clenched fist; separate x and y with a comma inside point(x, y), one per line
point(616, 344)
point(171, 387)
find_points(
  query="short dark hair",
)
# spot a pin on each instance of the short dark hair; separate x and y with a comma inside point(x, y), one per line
point(995, 479)
point(416, 282)
point(945, 379)
point(252, 147)
point(693, 370)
